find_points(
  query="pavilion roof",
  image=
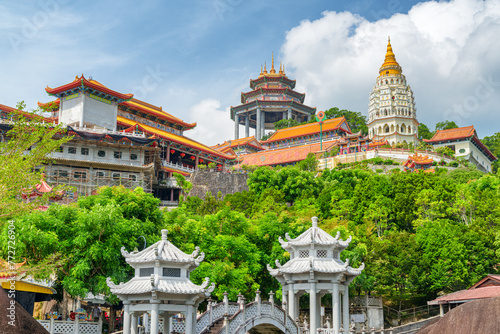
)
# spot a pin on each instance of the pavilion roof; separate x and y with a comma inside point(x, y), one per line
point(283, 155)
point(305, 265)
point(156, 111)
point(309, 129)
point(81, 81)
point(419, 160)
point(466, 295)
point(235, 143)
point(164, 251)
point(172, 137)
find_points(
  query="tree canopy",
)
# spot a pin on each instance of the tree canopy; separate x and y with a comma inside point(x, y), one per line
point(356, 120)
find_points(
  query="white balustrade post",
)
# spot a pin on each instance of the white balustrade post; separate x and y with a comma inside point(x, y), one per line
point(209, 309)
point(99, 325)
point(226, 303)
point(51, 324)
point(77, 324)
point(363, 330)
point(244, 308)
point(239, 301)
point(259, 301)
point(341, 330)
point(373, 330)
point(271, 300)
point(284, 309)
point(226, 323)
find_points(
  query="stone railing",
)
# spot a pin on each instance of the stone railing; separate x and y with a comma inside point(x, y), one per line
point(348, 331)
point(69, 327)
point(138, 134)
point(177, 166)
point(214, 313)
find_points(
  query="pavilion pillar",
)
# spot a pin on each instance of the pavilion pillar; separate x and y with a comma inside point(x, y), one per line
point(166, 323)
point(345, 305)
point(313, 313)
point(247, 126)
point(263, 125)
point(197, 161)
point(133, 323)
point(258, 125)
point(291, 301)
point(289, 113)
point(284, 114)
point(318, 310)
point(126, 317)
point(145, 319)
point(167, 156)
point(155, 305)
point(236, 126)
point(441, 310)
point(335, 308)
point(189, 320)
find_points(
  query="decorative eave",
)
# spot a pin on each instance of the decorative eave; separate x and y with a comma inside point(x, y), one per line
point(262, 103)
point(164, 252)
point(80, 83)
point(157, 284)
point(262, 90)
point(272, 78)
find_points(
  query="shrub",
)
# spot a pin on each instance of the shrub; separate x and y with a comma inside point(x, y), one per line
point(379, 170)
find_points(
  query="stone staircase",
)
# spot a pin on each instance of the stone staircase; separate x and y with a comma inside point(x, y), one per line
point(216, 326)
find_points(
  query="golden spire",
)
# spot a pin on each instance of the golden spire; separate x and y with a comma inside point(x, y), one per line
point(273, 71)
point(390, 65)
point(265, 70)
point(281, 69)
point(261, 70)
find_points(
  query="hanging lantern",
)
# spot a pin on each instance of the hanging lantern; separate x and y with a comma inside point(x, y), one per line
point(201, 160)
point(183, 155)
point(172, 151)
point(193, 157)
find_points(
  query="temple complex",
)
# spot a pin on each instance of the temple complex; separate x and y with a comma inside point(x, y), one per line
point(271, 99)
point(391, 110)
point(118, 140)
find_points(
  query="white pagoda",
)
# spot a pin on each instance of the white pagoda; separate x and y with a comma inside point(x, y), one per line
point(161, 286)
point(315, 268)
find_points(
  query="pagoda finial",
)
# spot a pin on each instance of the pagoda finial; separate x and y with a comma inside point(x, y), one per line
point(265, 69)
point(272, 64)
point(281, 69)
point(164, 234)
point(390, 65)
point(314, 221)
point(261, 70)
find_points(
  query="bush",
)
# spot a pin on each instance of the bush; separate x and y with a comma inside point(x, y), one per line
point(453, 164)
point(378, 161)
point(379, 170)
point(389, 162)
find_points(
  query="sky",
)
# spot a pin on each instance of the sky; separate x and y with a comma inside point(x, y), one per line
point(194, 58)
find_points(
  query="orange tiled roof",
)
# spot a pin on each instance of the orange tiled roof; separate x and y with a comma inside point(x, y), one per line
point(450, 134)
point(283, 155)
point(157, 111)
point(11, 110)
point(251, 141)
point(421, 159)
point(307, 129)
point(173, 137)
point(81, 81)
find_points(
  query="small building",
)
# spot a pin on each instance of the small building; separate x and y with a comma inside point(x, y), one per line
point(488, 287)
point(271, 99)
point(240, 146)
point(352, 143)
point(161, 286)
point(465, 143)
point(419, 163)
point(315, 268)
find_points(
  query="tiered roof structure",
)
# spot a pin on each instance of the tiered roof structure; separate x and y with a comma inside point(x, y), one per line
point(272, 98)
point(315, 267)
point(419, 162)
point(240, 146)
point(391, 112)
point(161, 284)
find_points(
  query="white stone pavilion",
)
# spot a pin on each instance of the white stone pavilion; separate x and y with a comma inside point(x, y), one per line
point(161, 287)
point(315, 268)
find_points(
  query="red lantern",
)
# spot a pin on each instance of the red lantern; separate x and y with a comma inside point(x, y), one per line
point(193, 157)
point(183, 155)
point(201, 160)
point(172, 151)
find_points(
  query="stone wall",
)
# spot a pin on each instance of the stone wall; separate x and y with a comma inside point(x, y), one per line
point(227, 183)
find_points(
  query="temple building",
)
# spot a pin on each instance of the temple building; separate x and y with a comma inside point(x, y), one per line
point(271, 99)
point(418, 162)
point(119, 140)
point(391, 110)
point(240, 146)
point(466, 144)
point(353, 143)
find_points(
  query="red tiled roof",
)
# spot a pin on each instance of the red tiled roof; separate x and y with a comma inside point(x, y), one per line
point(81, 81)
point(11, 110)
point(250, 141)
point(307, 129)
point(156, 111)
point(451, 134)
point(283, 155)
point(466, 295)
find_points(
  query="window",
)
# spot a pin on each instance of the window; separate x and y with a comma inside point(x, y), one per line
point(99, 174)
point(144, 272)
point(59, 149)
point(80, 175)
point(84, 151)
point(133, 156)
point(117, 155)
point(72, 150)
point(60, 173)
point(321, 253)
point(116, 176)
point(172, 272)
point(133, 177)
point(462, 150)
point(101, 153)
point(303, 253)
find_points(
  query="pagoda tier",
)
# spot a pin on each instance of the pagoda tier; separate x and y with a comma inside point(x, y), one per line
point(161, 285)
point(315, 268)
point(272, 99)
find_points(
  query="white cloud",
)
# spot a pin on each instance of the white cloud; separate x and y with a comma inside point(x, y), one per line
point(447, 50)
point(213, 124)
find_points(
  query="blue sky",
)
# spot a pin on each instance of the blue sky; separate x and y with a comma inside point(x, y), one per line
point(194, 58)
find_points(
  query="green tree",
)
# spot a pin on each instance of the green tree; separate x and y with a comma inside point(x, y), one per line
point(424, 132)
point(356, 120)
point(309, 163)
point(446, 125)
point(285, 123)
point(493, 144)
point(28, 146)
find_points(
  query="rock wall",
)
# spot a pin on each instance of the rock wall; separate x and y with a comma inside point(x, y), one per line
point(227, 183)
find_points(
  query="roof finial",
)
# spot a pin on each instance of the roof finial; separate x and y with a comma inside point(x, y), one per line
point(261, 69)
point(315, 221)
point(164, 234)
point(272, 64)
point(281, 69)
point(265, 69)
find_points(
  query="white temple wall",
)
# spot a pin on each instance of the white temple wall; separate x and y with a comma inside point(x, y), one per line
point(100, 113)
point(72, 111)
